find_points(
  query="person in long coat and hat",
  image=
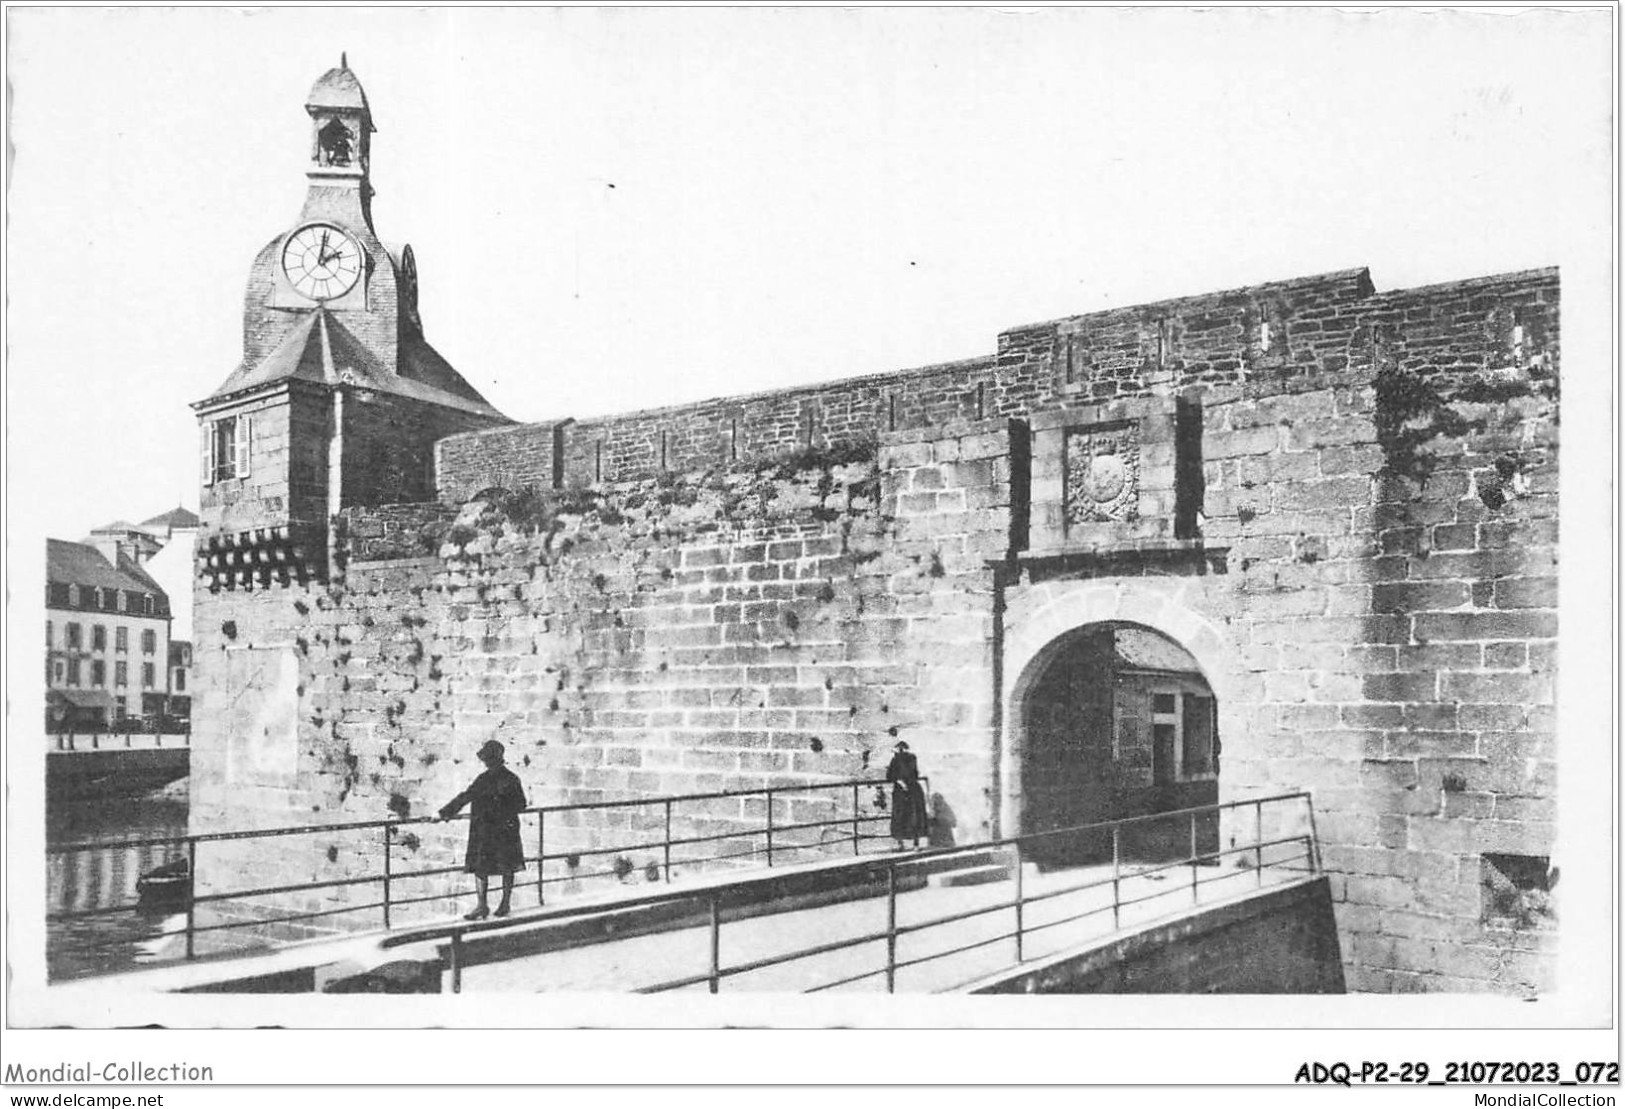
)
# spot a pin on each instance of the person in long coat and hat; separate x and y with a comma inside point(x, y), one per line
point(495, 800)
point(908, 819)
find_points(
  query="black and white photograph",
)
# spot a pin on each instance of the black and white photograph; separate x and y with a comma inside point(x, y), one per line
point(899, 519)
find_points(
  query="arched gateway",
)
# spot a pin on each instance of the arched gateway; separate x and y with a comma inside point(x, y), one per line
point(1113, 709)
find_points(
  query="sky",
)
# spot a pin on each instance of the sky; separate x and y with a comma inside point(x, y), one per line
point(617, 209)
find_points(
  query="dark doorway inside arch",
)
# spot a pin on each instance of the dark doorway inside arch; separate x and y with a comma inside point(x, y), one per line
point(1120, 723)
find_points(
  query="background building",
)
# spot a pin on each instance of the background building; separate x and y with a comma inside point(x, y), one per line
point(173, 565)
point(107, 636)
point(180, 686)
point(119, 608)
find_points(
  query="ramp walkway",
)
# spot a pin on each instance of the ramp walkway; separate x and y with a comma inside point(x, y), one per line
point(918, 921)
point(915, 921)
point(946, 937)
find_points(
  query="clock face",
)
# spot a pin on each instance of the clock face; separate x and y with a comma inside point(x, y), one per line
point(321, 261)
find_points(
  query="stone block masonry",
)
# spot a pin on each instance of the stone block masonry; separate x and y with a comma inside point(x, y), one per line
point(1342, 503)
point(1284, 941)
point(713, 631)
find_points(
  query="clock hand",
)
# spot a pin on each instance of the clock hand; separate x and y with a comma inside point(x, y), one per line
point(325, 257)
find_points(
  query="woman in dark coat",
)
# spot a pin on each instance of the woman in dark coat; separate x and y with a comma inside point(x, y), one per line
point(907, 797)
point(495, 800)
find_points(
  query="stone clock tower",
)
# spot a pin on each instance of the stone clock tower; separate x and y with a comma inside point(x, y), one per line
point(339, 399)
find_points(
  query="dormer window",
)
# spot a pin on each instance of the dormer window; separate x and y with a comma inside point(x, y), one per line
point(225, 445)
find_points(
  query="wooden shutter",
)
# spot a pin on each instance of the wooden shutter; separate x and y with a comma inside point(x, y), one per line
point(1198, 729)
point(208, 452)
point(245, 427)
point(1213, 708)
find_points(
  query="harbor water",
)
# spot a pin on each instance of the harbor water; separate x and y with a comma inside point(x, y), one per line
point(104, 877)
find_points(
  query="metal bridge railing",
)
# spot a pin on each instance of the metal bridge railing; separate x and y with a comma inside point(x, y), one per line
point(1305, 856)
point(115, 741)
point(778, 840)
point(1291, 815)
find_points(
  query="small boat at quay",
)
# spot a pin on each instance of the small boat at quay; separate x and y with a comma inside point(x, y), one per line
point(167, 886)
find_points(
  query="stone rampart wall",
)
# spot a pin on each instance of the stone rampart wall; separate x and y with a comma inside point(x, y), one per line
point(723, 630)
point(1371, 588)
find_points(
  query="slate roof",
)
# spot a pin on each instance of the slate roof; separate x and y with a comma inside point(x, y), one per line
point(177, 517)
point(338, 88)
point(1147, 650)
point(79, 564)
point(298, 356)
point(322, 349)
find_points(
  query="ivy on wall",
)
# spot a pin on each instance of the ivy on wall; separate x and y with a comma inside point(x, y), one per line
point(1412, 412)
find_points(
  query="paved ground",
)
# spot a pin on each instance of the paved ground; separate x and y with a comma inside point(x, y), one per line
point(1073, 916)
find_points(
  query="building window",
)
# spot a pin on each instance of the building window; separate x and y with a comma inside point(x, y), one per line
point(98, 638)
point(180, 681)
point(73, 595)
point(48, 635)
point(148, 604)
point(75, 640)
point(1197, 758)
point(1183, 737)
point(123, 597)
point(225, 448)
point(121, 674)
point(121, 640)
point(98, 672)
point(73, 671)
point(149, 642)
point(149, 675)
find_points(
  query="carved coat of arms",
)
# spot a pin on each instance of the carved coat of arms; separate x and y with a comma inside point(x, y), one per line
point(1103, 473)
